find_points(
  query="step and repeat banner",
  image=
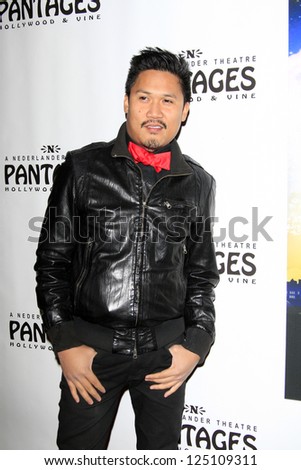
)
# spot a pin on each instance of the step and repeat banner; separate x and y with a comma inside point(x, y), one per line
point(63, 69)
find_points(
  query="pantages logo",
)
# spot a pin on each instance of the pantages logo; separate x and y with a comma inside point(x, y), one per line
point(228, 77)
point(31, 173)
point(203, 432)
point(19, 14)
point(26, 331)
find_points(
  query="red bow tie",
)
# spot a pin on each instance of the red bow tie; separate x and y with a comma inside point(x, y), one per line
point(157, 160)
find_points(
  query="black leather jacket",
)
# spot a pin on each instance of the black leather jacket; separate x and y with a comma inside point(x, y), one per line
point(131, 266)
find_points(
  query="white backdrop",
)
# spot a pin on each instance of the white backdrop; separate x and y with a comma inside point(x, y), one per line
point(61, 87)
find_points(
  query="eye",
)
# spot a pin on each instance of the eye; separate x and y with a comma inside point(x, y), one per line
point(168, 101)
point(143, 98)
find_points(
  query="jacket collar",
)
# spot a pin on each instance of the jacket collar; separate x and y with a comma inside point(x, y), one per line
point(178, 164)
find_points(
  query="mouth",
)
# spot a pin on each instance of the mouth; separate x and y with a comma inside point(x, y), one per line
point(154, 126)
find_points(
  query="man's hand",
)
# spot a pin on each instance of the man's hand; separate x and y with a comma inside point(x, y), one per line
point(183, 363)
point(76, 364)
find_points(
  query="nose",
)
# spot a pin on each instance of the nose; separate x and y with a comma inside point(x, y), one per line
point(154, 110)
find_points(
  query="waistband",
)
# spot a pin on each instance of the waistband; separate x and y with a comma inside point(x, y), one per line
point(126, 340)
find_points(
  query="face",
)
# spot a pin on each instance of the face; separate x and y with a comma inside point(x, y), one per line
point(155, 109)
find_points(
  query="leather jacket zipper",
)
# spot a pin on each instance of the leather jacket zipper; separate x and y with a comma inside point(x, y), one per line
point(134, 337)
point(140, 267)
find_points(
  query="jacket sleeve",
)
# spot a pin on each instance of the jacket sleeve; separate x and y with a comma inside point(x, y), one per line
point(202, 275)
point(55, 251)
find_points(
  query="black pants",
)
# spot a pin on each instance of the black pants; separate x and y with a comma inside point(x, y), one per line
point(157, 419)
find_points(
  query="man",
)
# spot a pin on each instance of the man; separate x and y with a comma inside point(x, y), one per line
point(126, 266)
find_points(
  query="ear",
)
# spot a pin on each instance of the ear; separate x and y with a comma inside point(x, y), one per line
point(126, 104)
point(185, 111)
